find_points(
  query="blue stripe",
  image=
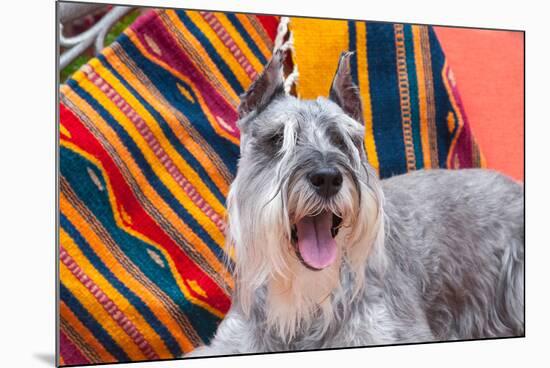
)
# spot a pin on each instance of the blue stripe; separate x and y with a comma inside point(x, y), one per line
point(413, 93)
point(442, 102)
point(73, 170)
point(169, 133)
point(91, 324)
point(151, 319)
point(218, 60)
point(148, 172)
point(386, 108)
point(246, 37)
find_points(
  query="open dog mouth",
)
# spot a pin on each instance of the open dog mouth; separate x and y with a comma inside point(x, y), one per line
point(313, 239)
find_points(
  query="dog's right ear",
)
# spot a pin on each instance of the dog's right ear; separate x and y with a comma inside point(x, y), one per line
point(267, 86)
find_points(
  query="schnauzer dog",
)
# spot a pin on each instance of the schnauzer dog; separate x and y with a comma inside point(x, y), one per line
point(327, 255)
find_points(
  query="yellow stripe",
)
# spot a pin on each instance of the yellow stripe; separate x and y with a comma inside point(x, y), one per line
point(64, 131)
point(318, 44)
point(256, 37)
point(218, 45)
point(155, 163)
point(451, 123)
point(482, 159)
point(185, 92)
point(424, 129)
point(121, 302)
point(88, 337)
point(142, 182)
point(364, 87)
point(197, 242)
point(98, 312)
point(239, 41)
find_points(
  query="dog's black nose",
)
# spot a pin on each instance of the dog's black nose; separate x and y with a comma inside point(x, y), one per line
point(326, 181)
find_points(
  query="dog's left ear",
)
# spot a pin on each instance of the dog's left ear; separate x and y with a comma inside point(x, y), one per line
point(344, 92)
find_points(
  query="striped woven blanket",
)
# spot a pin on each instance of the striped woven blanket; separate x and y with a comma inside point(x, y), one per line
point(149, 146)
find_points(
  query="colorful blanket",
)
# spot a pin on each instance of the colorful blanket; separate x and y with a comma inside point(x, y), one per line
point(149, 146)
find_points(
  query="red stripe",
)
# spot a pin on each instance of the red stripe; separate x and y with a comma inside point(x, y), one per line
point(270, 24)
point(69, 351)
point(141, 221)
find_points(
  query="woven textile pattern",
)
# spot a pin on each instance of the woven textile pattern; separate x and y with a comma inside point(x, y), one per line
point(149, 146)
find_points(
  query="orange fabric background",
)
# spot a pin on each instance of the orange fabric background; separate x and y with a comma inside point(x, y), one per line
point(488, 68)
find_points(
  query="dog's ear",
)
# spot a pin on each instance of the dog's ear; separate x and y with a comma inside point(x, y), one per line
point(344, 92)
point(268, 85)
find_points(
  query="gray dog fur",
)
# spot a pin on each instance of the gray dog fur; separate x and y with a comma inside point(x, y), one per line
point(427, 256)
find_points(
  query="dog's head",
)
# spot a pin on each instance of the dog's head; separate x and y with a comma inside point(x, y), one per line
point(305, 199)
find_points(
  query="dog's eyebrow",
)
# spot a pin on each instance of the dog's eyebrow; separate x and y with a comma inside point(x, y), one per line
point(337, 136)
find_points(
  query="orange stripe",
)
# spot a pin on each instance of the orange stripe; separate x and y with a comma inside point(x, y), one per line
point(421, 82)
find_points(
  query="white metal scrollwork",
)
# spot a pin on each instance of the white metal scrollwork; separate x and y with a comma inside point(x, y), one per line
point(95, 35)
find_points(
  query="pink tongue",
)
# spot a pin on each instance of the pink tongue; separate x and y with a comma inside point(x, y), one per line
point(315, 243)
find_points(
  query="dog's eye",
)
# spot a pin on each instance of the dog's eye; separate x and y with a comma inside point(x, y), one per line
point(274, 141)
point(338, 140)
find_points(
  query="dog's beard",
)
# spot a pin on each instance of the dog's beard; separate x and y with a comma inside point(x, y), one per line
point(266, 229)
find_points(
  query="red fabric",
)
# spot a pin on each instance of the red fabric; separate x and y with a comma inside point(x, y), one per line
point(488, 66)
